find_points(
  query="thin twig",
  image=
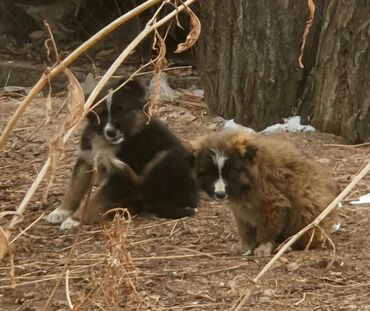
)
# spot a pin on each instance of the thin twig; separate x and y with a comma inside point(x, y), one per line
point(27, 228)
point(6, 82)
point(68, 297)
point(15, 216)
point(200, 254)
point(301, 300)
point(9, 252)
point(57, 59)
point(50, 299)
point(242, 300)
point(31, 190)
point(153, 71)
point(150, 226)
point(347, 146)
point(223, 269)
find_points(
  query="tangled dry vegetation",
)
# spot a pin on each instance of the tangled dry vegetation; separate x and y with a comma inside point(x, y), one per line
point(156, 264)
point(147, 263)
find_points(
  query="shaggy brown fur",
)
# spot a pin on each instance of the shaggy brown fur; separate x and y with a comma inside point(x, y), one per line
point(272, 188)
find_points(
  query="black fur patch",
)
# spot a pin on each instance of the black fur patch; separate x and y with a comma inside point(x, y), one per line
point(166, 185)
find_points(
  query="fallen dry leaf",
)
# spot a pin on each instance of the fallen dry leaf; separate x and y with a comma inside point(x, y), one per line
point(75, 101)
point(311, 15)
point(4, 243)
point(75, 104)
point(160, 63)
point(194, 33)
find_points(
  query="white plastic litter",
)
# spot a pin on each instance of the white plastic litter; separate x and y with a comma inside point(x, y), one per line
point(291, 124)
point(165, 91)
point(365, 199)
point(199, 93)
point(89, 84)
point(336, 227)
point(230, 124)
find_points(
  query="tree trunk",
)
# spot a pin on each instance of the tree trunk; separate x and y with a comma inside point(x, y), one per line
point(248, 55)
point(248, 58)
point(337, 93)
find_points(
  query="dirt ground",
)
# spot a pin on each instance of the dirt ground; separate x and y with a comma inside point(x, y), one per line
point(174, 264)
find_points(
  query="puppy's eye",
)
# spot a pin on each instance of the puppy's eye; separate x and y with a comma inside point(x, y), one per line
point(203, 172)
point(236, 170)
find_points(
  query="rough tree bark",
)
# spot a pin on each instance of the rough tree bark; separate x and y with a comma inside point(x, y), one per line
point(248, 62)
point(248, 58)
point(337, 93)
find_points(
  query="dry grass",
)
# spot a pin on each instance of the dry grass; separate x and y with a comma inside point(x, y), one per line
point(76, 104)
point(144, 263)
point(174, 264)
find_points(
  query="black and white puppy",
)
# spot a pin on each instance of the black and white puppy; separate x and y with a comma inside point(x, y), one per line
point(140, 165)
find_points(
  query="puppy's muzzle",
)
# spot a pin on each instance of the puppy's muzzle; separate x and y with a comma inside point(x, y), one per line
point(220, 195)
point(110, 133)
point(113, 135)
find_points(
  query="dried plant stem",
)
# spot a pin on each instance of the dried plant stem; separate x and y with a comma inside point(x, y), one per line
point(27, 228)
point(68, 297)
point(51, 38)
point(8, 251)
point(311, 15)
point(48, 74)
point(32, 190)
point(295, 237)
point(15, 214)
point(197, 254)
point(59, 281)
point(347, 146)
point(153, 71)
point(148, 29)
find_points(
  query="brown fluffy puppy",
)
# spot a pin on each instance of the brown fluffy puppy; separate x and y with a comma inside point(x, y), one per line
point(272, 188)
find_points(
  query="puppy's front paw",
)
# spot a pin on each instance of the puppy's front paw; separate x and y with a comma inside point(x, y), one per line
point(69, 223)
point(58, 215)
point(263, 249)
point(189, 211)
point(118, 164)
point(186, 212)
point(238, 249)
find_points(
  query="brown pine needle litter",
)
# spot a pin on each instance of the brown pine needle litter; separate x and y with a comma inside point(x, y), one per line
point(147, 263)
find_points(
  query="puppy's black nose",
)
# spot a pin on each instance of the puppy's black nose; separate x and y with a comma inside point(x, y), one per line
point(220, 195)
point(111, 133)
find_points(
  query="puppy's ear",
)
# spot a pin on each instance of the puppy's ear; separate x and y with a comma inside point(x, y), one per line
point(250, 151)
point(93, 116)
point(243, 144)
point(135, 88)
point(190, 158)
point(196, 145)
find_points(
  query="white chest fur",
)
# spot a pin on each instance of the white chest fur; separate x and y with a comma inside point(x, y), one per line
point(102, 156)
